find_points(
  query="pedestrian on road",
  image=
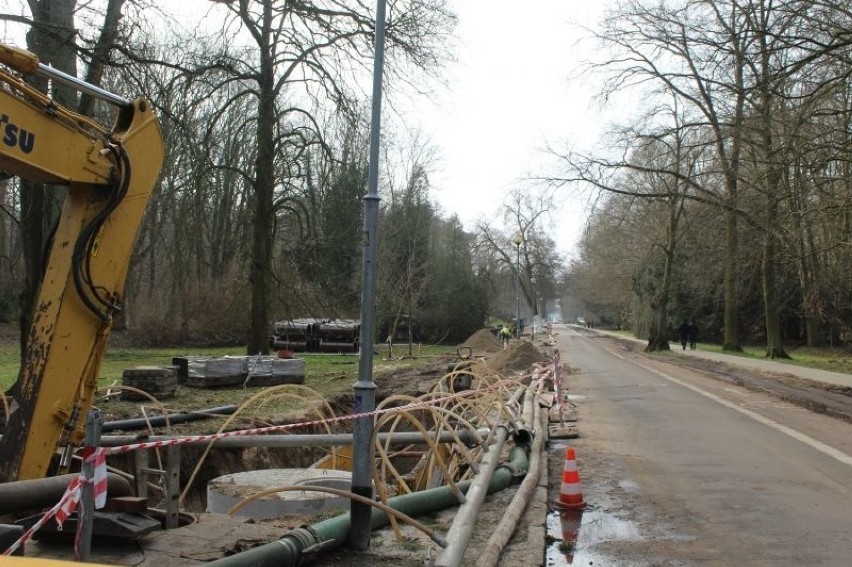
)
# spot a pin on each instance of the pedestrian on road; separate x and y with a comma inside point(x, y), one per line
point(693, 334)
point(683, 333)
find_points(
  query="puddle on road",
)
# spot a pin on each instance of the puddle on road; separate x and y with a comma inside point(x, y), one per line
point(575, 533)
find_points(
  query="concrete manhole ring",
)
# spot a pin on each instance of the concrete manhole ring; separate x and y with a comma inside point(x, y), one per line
point(226, 491)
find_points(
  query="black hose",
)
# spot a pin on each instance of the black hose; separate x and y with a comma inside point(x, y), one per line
point(84, 246)
point(172, 418)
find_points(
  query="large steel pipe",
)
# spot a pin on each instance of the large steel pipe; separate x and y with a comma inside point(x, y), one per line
point(25, 495)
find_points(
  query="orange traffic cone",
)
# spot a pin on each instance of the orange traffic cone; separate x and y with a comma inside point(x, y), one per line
point(571, 493)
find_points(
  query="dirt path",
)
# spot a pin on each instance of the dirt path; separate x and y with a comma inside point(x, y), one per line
point(819, 397)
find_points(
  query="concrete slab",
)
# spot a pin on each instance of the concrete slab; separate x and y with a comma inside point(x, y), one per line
point(563, 432)
point(567, 415)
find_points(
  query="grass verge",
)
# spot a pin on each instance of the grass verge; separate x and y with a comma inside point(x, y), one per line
point(327, 374)
point(822, 358)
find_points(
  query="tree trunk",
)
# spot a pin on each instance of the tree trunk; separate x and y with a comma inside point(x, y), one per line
point(731, 341)
point(33, 244)
point(101, 53)
point(773, 185)
point(809, 265)
point(264, 188)
point(774, 343)
point(659, 339)
point(659, 333)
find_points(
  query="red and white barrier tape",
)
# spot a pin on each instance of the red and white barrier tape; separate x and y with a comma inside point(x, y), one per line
point(61, 510)
point(283, 427)
point(71, 498)
point(97, 458)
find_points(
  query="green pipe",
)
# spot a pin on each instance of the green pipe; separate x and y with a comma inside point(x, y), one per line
point(301, 543)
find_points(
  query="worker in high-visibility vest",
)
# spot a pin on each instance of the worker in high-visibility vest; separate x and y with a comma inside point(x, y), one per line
point(505, 335)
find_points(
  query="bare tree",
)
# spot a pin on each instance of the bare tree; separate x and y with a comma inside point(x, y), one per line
point(695, 52)
point(754, 77)
point(522, 247)
point(305, 55)
point(672, 153)
point(405, 241)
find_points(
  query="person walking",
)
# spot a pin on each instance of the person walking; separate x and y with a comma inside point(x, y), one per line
point(683, 334)
point(505, 336)
point(693, 334)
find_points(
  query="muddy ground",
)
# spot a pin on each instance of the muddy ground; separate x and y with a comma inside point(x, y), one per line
point(412, 548)
point(832, 400)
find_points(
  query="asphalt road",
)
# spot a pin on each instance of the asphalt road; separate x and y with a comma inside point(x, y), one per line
point(682, 469)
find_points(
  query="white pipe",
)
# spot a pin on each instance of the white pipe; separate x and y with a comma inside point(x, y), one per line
point(501, 536)
point(460, 531)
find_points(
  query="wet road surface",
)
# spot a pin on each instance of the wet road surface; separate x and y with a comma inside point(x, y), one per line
point(681, 469)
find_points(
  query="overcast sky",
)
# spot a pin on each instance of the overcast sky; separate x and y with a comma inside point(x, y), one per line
point(508, 96)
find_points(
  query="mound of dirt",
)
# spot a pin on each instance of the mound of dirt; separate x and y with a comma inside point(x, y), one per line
point(519, 356)
point(482, 340)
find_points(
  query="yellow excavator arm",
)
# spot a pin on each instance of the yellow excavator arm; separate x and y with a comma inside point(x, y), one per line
point(110, 175)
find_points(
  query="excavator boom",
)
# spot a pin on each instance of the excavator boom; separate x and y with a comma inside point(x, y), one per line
point(110, 175)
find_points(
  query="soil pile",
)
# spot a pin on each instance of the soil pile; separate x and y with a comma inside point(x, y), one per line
point(518, 356)
point(482, 340)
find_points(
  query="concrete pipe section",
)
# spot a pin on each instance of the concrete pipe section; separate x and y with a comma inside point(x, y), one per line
point(229, 490)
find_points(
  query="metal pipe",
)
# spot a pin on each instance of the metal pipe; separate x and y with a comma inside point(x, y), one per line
point(180, 417)
point(318, 440)
point(458, 537)
point(82, 86)
point(506, 528)
point(530, 410)
point(83, 550)
point(365, 389)
point(518, 327)
point(25, 495)
point(299, 545)
point(524, 430)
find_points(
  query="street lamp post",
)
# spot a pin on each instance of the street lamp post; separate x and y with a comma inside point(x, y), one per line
point(534, 306)
point(518, 239)
point(364, 390)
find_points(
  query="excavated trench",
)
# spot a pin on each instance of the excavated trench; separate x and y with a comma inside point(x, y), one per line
point(218, 462)
point(411, 381)
point(222, 461)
